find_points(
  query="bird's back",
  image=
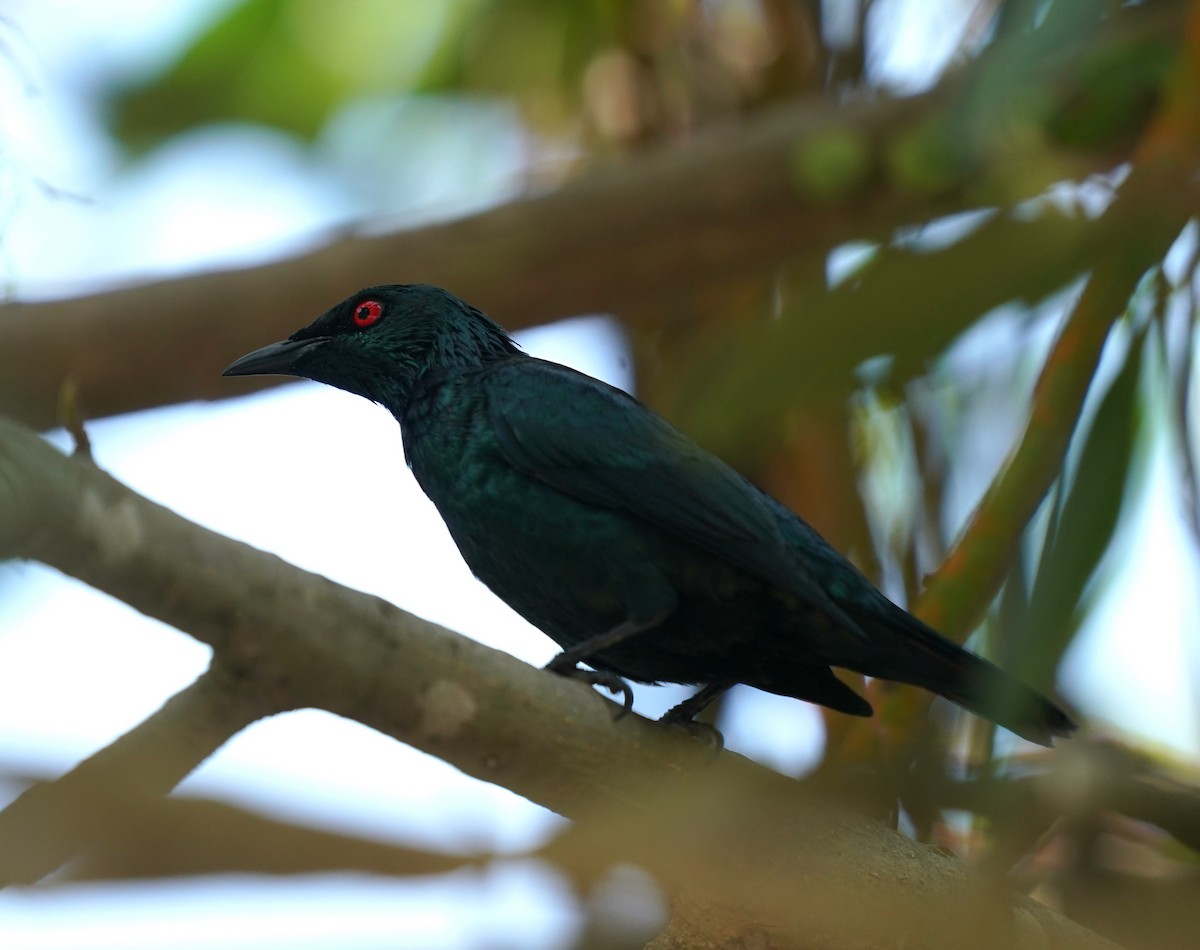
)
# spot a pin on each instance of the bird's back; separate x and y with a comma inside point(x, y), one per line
point(613, 532)
point(579, 507)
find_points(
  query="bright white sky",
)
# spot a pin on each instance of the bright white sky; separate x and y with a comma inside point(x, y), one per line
point(77, 669)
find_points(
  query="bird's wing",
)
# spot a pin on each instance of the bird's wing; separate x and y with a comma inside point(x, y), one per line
point(598, 444)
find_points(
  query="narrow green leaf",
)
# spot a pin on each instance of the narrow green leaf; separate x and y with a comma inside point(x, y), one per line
point(1086, 524)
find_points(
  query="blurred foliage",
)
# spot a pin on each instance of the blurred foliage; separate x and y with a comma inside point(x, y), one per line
point(860, 394)
point(138, 834)
point(289, 64)
point(630, 70)
point(1037, 627)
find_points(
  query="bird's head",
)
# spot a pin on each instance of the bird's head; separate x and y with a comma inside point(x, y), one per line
point(381, 341)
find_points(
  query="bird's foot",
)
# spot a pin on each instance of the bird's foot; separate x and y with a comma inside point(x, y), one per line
point(683, 717)
point(702, 732)
point(609, 681)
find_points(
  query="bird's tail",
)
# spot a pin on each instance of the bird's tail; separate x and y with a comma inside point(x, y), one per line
point(943, 667)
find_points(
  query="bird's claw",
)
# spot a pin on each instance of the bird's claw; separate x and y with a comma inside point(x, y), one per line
point(702, 732)
point(681, 718)
point(609, 681)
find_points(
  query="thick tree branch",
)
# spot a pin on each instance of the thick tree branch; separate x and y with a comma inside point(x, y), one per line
point(617, 237)
point(302, 640)
point(620, 236)
point(288, 638)
point(736, 201)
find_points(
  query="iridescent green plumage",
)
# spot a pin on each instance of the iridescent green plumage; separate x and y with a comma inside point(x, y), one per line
point(605, 527)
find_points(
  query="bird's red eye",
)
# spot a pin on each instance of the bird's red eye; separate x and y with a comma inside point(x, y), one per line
point(367, 313)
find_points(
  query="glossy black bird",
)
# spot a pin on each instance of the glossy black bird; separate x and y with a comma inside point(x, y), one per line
point(641, 554)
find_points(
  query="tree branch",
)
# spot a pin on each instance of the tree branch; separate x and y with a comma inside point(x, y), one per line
point(737, 200)
point(301, 640)
point(1160, 196)
point(620, 236)
point(51, 822)
point(284, 638)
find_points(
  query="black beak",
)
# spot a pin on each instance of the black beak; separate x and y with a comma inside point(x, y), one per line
point(276, 359)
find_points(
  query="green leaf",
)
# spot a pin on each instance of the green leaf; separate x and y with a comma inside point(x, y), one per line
point(1081, 534)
